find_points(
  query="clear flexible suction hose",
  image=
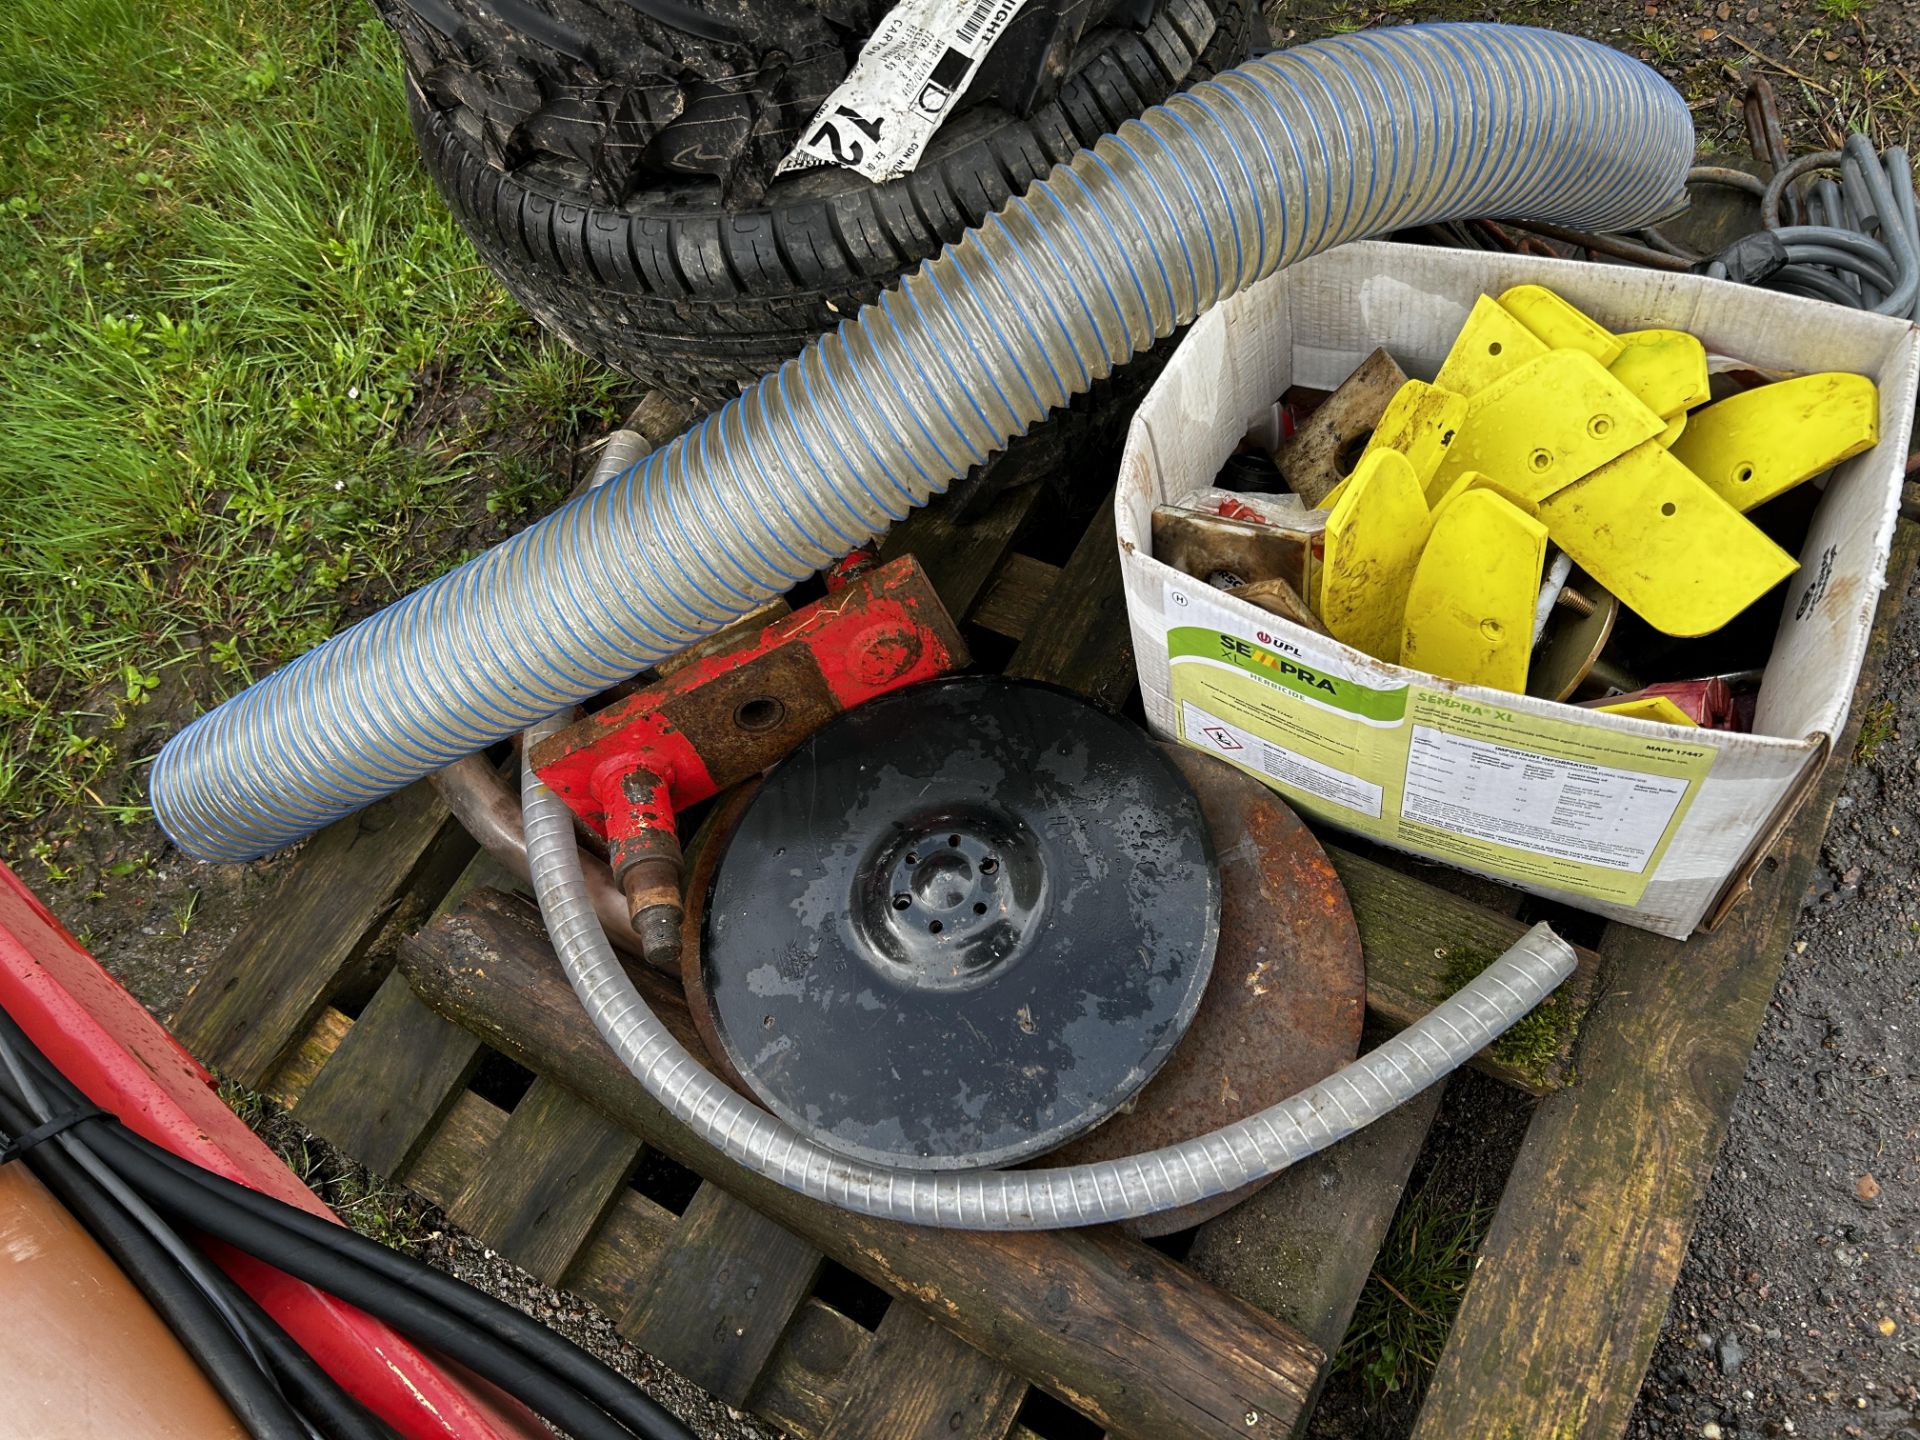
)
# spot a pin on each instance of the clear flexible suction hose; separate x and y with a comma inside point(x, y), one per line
point(1090, 1194)
point(1282, 157)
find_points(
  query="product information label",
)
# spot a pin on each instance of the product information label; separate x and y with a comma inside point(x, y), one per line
point(1546, 801)
point(911, 72)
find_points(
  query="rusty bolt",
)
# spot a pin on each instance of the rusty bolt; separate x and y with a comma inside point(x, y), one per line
point(652, 888)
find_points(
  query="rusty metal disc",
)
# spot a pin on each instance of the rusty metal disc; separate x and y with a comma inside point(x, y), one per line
point(1282, 1009)
point(703, 855)
point(958, 925)
point(1284, 1005)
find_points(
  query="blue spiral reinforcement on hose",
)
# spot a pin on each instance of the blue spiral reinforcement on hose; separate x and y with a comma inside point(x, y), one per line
point(1280, 158)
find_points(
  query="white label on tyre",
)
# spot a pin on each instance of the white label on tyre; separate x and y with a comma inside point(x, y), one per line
point(911, 73)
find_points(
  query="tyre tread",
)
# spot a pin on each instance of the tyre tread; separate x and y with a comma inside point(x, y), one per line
point(699, 304)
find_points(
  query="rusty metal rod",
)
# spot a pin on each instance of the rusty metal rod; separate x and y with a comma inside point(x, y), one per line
point(481, 801)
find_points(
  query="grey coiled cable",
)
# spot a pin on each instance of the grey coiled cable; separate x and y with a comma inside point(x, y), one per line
point(1282, 157)
point(1862, 245)
point(1090, 1194)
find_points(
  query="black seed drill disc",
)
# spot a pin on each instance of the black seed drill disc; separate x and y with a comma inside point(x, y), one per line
point(960, 924)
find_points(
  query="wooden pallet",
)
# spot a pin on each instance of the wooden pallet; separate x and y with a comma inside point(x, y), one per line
point(469, 1073)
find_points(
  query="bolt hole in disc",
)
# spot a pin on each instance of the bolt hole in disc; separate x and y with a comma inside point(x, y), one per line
point(1062, 906)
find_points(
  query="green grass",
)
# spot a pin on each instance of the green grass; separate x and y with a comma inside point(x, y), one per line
point(222, 277)
point(1657, 42)
point(1407, 1307)
point(1878, 724)
point(377, 1208)
point(1534, 1042)
point(1840, 9)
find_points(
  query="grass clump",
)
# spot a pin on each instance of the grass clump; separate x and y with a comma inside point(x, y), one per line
point(1536, 1041)
point(1655, 42)
point(1405, 1312)
point(1876, 728)
point(223, 277)
point(376, 1208)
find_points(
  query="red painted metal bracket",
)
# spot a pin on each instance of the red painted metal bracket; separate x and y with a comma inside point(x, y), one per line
point(629, 769)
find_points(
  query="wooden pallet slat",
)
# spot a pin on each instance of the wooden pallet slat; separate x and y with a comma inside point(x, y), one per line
point(1016, 596)
point(307, 1056)
point(393, 1076)
point(805, 1381)
point(1302, 1248)
point(1576, 1272)
point(273, 981)
point(623, 1250)
point(456, 1149)
point(615, 1266)
point(1082, 639)
point(556, 1168)
point(721, 1295)
point(918, 1381)
point(961, 557)
point(1415, 934)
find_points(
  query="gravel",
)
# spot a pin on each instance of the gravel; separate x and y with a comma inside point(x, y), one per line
point(584, 1324)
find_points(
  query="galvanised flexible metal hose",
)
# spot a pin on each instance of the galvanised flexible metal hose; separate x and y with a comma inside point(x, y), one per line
point(1282, 157)
point(1090, 1194)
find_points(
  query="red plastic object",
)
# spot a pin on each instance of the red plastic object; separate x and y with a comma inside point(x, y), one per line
point(126, 1062)
point(1231, 509)
point(1710, 703)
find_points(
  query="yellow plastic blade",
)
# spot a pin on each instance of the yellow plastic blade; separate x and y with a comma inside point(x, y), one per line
point(1519, 502)
point(1754, 446)
point(1439, 497)
point(1470, 608)
point(1489, 345)
point(1442, 494)
point(1542, 427)
point(1665, 369)
point(1651, 707)
point(1558, 325)
point(1420, 422)
point(1374, 536)
point(1652, 532)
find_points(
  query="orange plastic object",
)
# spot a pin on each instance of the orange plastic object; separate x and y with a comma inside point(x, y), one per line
point(83, 1354)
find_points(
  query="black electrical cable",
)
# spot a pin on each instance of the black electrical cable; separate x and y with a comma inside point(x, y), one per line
point(252, 1396)
point(200, 1271)
point(416, 1316)
point(182, 1197)
point(499, 1323)
point(1862, 245)
point(326, 1406)
point(415, 1298)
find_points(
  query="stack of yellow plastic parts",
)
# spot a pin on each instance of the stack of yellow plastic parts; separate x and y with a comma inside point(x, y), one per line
point(1542, 426)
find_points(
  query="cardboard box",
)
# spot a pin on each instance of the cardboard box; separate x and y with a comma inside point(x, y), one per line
point(1656, 825)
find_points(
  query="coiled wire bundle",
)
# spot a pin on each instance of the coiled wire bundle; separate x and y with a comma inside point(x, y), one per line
point(1861, 245)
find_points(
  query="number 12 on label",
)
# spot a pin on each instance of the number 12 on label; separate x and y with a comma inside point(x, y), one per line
point(845, 150)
